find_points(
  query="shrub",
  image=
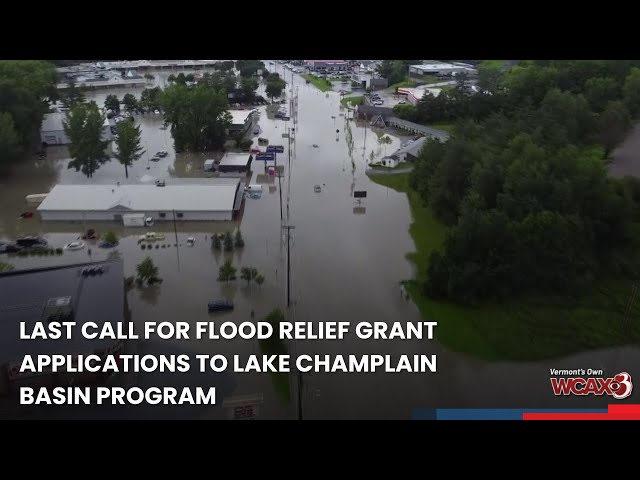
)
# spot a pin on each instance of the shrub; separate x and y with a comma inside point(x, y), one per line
point(59, 251)
point(110, 237)
point(143, 246)
point(157, 247)
point(239, 241)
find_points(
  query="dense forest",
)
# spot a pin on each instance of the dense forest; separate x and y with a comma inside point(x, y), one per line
point(25, 87)
point(523, 183)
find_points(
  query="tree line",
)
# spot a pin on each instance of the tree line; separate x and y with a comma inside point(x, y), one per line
point(523, 183)
point(25, 90)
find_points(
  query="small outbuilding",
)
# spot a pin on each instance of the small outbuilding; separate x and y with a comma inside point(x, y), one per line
point(52, 130)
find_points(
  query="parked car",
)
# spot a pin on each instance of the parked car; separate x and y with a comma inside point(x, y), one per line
point(30, 242)
point(377, 103)
point(160, 183)
point(190, 241)
point(256, 131)
point(162, 153)
point(6, 247)
point(220, 306)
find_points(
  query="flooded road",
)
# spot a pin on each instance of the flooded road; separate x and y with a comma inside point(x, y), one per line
point(347, 260)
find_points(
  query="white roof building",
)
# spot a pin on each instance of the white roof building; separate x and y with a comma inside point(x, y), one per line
point(430, 67)
point(239, 117)
point(110, 202)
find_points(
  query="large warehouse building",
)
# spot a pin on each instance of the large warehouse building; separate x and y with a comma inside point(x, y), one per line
point(216, 202)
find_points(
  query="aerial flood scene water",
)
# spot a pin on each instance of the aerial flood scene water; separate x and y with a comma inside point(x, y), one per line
point(326, 251)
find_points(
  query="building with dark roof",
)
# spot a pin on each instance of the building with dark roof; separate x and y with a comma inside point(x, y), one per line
point(92, 292)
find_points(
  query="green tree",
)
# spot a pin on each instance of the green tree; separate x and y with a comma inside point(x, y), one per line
point(239, 241)
point(249, 87)
point(227, 272)
point(171, 78)
point(10, 148)
point(248, 68)
point(147, 271)
point(130, 102)
point(215, 242)
point(112, 103)
point(259, 279)
point(489, 77)
point(631, 91)
point(248, 274)
point(228, 242)
point(384, 141)
point(83, 127)
point(614, 124)
point(128, 142)
point(150, 99)
point(229, 82)
point(25, 87)
point(149, 77)
point(110, 237)
point(274, 87)
point(198, 116)
point(600, 91)
point(224, 66)
point(73, 94)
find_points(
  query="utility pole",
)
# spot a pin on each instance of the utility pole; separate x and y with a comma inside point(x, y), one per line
point(288, 228)
point(289, 167)
point(175, 231)
point(275, 155)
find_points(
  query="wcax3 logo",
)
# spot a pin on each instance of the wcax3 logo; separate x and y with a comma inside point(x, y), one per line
point(619, 386)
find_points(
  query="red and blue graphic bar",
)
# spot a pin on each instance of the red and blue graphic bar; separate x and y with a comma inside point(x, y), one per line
point(613, 412)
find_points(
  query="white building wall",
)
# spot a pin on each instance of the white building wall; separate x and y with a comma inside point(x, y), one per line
point(58, 137)
point(54, 137)
point(110, 216)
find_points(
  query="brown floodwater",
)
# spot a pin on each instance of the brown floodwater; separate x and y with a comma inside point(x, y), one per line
point(347, 260)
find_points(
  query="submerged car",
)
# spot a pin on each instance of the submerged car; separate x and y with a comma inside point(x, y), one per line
point(28, 242)
point(74, 246)
point(220, 306)
point(9, 247)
